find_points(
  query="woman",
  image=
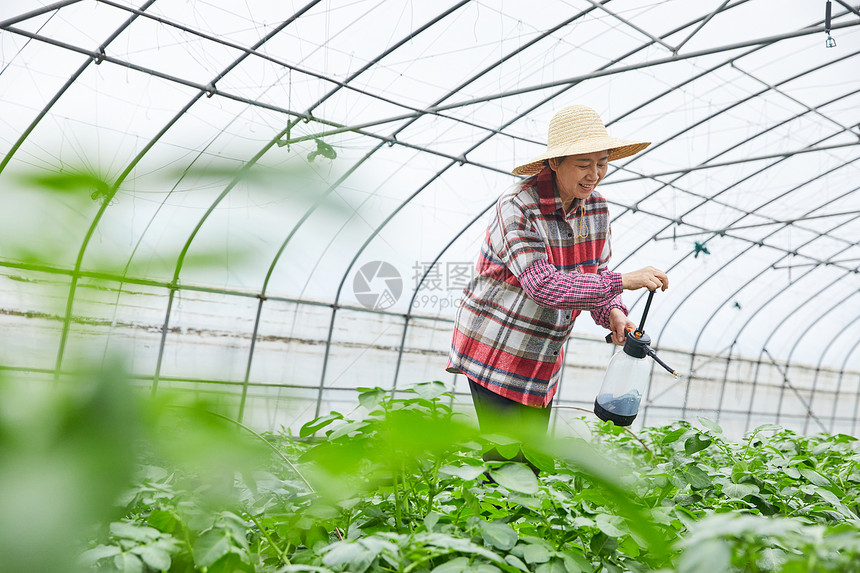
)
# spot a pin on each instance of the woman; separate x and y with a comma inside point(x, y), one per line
point(543, 261)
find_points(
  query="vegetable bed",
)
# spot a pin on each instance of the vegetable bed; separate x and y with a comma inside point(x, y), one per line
point(402, 487)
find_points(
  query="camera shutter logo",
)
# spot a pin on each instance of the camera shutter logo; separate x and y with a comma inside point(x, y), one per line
point(377, 285)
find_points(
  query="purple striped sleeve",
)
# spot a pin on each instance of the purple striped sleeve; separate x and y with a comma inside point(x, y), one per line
point(550, 288)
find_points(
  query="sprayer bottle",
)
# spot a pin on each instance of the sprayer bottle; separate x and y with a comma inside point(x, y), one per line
point(627, 376)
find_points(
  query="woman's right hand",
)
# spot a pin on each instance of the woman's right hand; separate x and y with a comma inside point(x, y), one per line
point(649, 277)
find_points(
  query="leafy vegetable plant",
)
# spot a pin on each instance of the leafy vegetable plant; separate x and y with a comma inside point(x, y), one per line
point(399, 484)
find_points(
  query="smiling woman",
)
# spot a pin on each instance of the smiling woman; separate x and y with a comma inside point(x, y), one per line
point(576, 176)
point(544, 261)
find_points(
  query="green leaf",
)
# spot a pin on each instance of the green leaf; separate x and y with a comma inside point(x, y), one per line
point(739, 490)
point(351, 554)
point(814, 477)
point(430, 390)
point(767, 428)
point(89, 557)
point(456, 544)
point(602, 544)
point(556, 565)
point(673, 436)
point(576, 563)
point(711, 425)
point(509, 451)
point(211, 546)
point(534, 553)
point(515, 477)
point(233, 562)
point(430, 520)
point(607, 524)
point(155, 557)
point(791, 472)
point(464, 565)
point(515, 561)
point(772, 559)
point(542, 461)
point(830, 497)
point(163, 520)
point(497, 534)
point(528, 501)
point(696, 444)
point(464, 472)
point(128, 563)
point(370, 399)
point(629, 546)
point(137, 533)
point(739, 471)
point(696, 477)
point(346, 428)
point(318, 423)
point(709, 556)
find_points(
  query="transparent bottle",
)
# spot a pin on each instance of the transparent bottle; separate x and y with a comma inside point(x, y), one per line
point(627, 375)
point(625, 381)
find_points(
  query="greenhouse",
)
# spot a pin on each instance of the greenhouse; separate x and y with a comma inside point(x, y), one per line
point(277, 208)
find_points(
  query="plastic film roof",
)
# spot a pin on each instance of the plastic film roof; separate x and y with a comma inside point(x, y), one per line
point(337, 159)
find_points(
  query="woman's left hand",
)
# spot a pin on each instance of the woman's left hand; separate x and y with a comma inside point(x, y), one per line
point(619, 324)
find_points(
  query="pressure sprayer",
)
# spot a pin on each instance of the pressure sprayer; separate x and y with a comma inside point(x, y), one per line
point(627, 376)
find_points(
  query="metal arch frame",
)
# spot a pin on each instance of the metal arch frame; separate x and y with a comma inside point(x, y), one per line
point(37, 12)
point(391, 140)
point(70, 81)
point(232, 184)
point(764, 349)
point(112, 191)
point(821, 361)
point(719, 307)
point(757, 172)
point(800, 338)
point(407, 316)
point(254, 52)
point(781, 157)
point(797, 342)
point(209, 89)
point(651, 148)
point(839, 385)
point(760, 243)
point(706, 201)
point(460, 160)
point(767, 40)
point(424, 276)
point(787, 252)
point(722, 305)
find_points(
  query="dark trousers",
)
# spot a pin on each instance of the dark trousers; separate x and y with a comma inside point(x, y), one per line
point(500, 415)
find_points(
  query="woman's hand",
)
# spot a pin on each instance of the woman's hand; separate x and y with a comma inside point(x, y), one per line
point(618, 324)
point(649, 278)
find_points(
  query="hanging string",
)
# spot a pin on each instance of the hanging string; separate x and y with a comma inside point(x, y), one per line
point(582, 223)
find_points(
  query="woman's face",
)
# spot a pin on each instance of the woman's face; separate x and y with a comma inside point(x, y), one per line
point(578, 175)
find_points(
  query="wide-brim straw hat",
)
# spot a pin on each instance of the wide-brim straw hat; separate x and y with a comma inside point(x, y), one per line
point(575, 130)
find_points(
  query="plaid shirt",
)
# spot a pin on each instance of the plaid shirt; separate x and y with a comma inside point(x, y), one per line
point(538, 268)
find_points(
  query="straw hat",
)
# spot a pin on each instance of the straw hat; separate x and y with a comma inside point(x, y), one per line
point(578, 129)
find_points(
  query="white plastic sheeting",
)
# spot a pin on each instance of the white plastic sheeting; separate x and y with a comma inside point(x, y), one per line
point(219, 191)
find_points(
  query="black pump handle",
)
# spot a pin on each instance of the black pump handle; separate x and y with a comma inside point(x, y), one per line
point(641, 328)
point(645, 312)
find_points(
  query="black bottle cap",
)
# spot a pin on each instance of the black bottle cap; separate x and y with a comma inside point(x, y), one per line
point(636, 344)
